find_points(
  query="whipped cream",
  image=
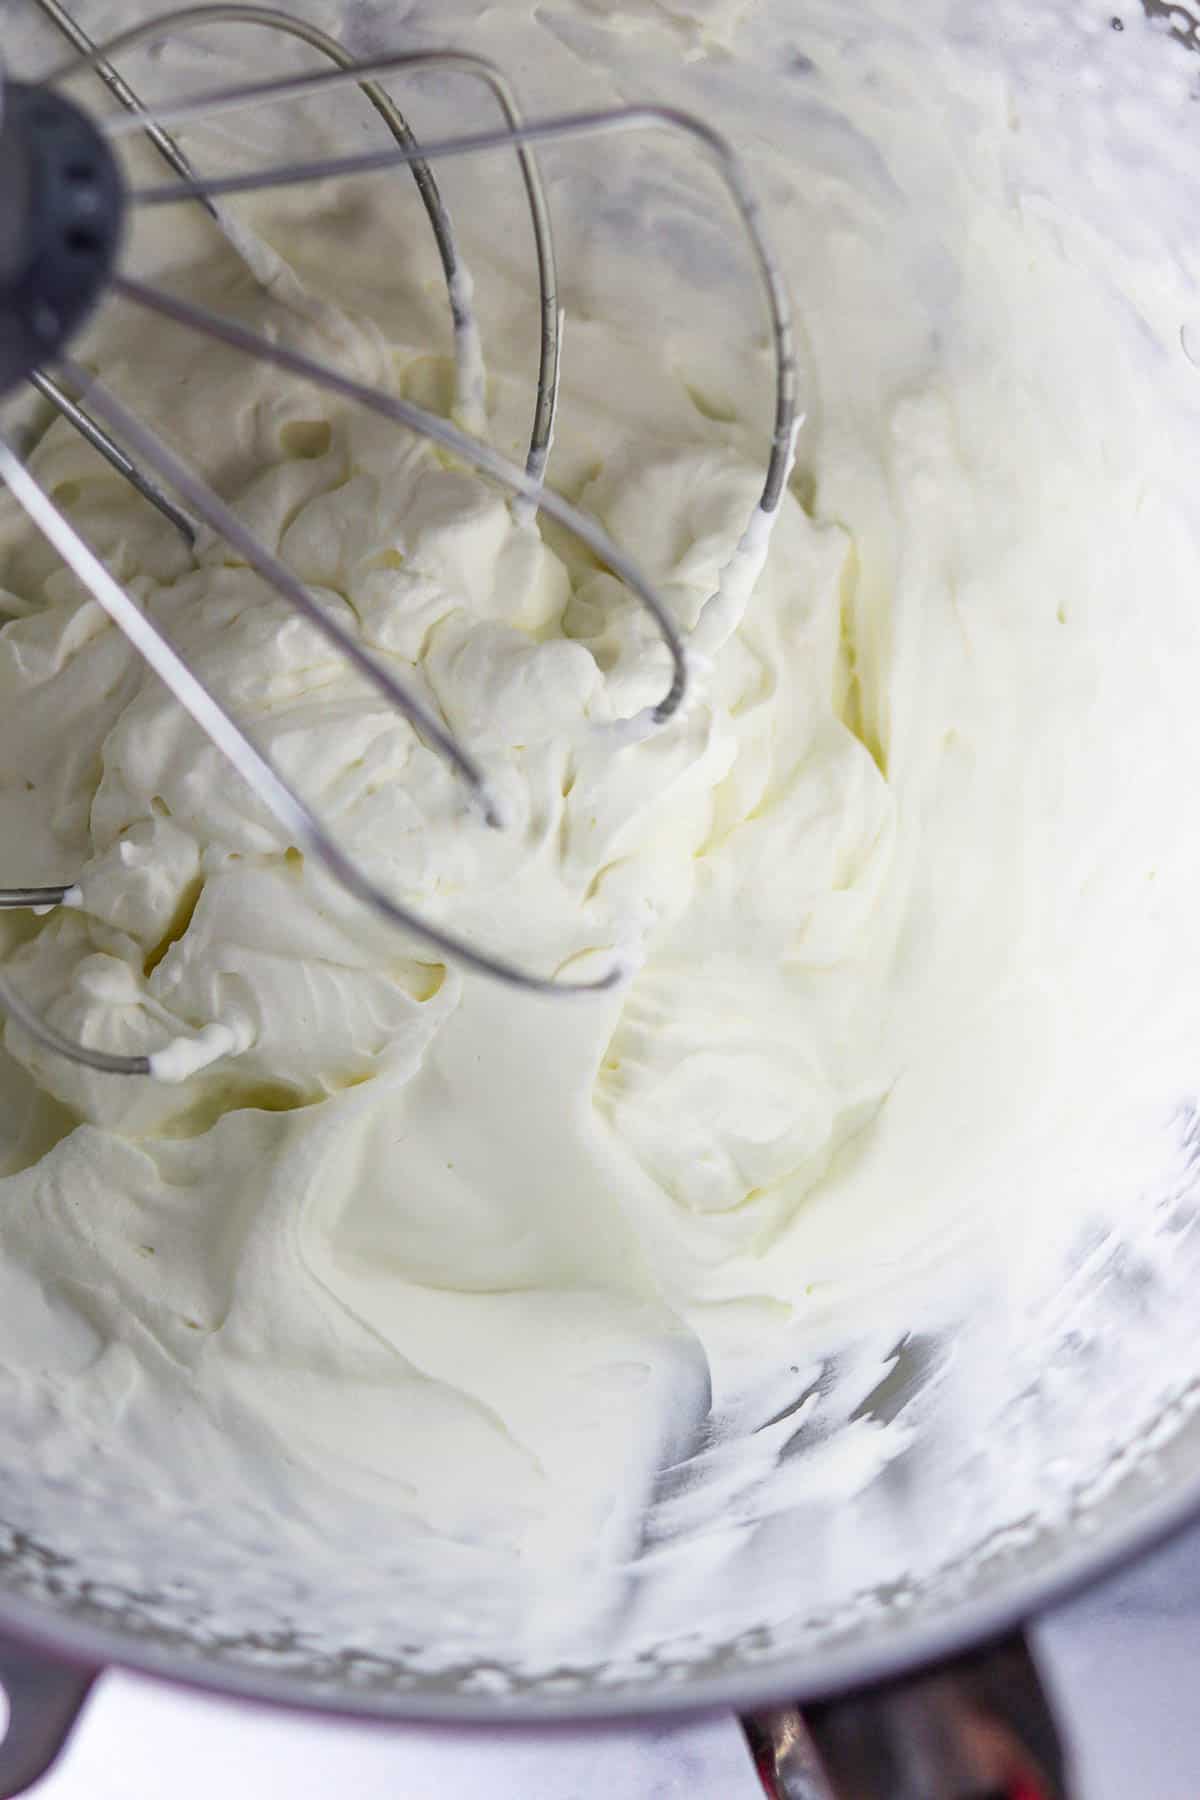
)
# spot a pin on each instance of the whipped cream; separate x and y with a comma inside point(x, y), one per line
point(558, 1302)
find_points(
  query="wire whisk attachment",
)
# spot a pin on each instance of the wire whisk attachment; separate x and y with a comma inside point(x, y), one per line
point(67, 209)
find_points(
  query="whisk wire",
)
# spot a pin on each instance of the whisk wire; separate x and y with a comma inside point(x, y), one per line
point(226, 524)
point(91, 56)
point(351, 71)
point(439, 431)
point(112, 453)
point(540, 131)
point(22, 899)
point(300, 825)
point(105, 1062)
point(468, 353)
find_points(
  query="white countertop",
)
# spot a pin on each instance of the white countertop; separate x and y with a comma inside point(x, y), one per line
point(1123, 1661)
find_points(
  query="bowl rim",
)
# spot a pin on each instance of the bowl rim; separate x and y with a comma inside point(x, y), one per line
point(40, 1632)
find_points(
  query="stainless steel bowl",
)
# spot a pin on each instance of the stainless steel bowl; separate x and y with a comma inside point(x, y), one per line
point(95, 1573)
